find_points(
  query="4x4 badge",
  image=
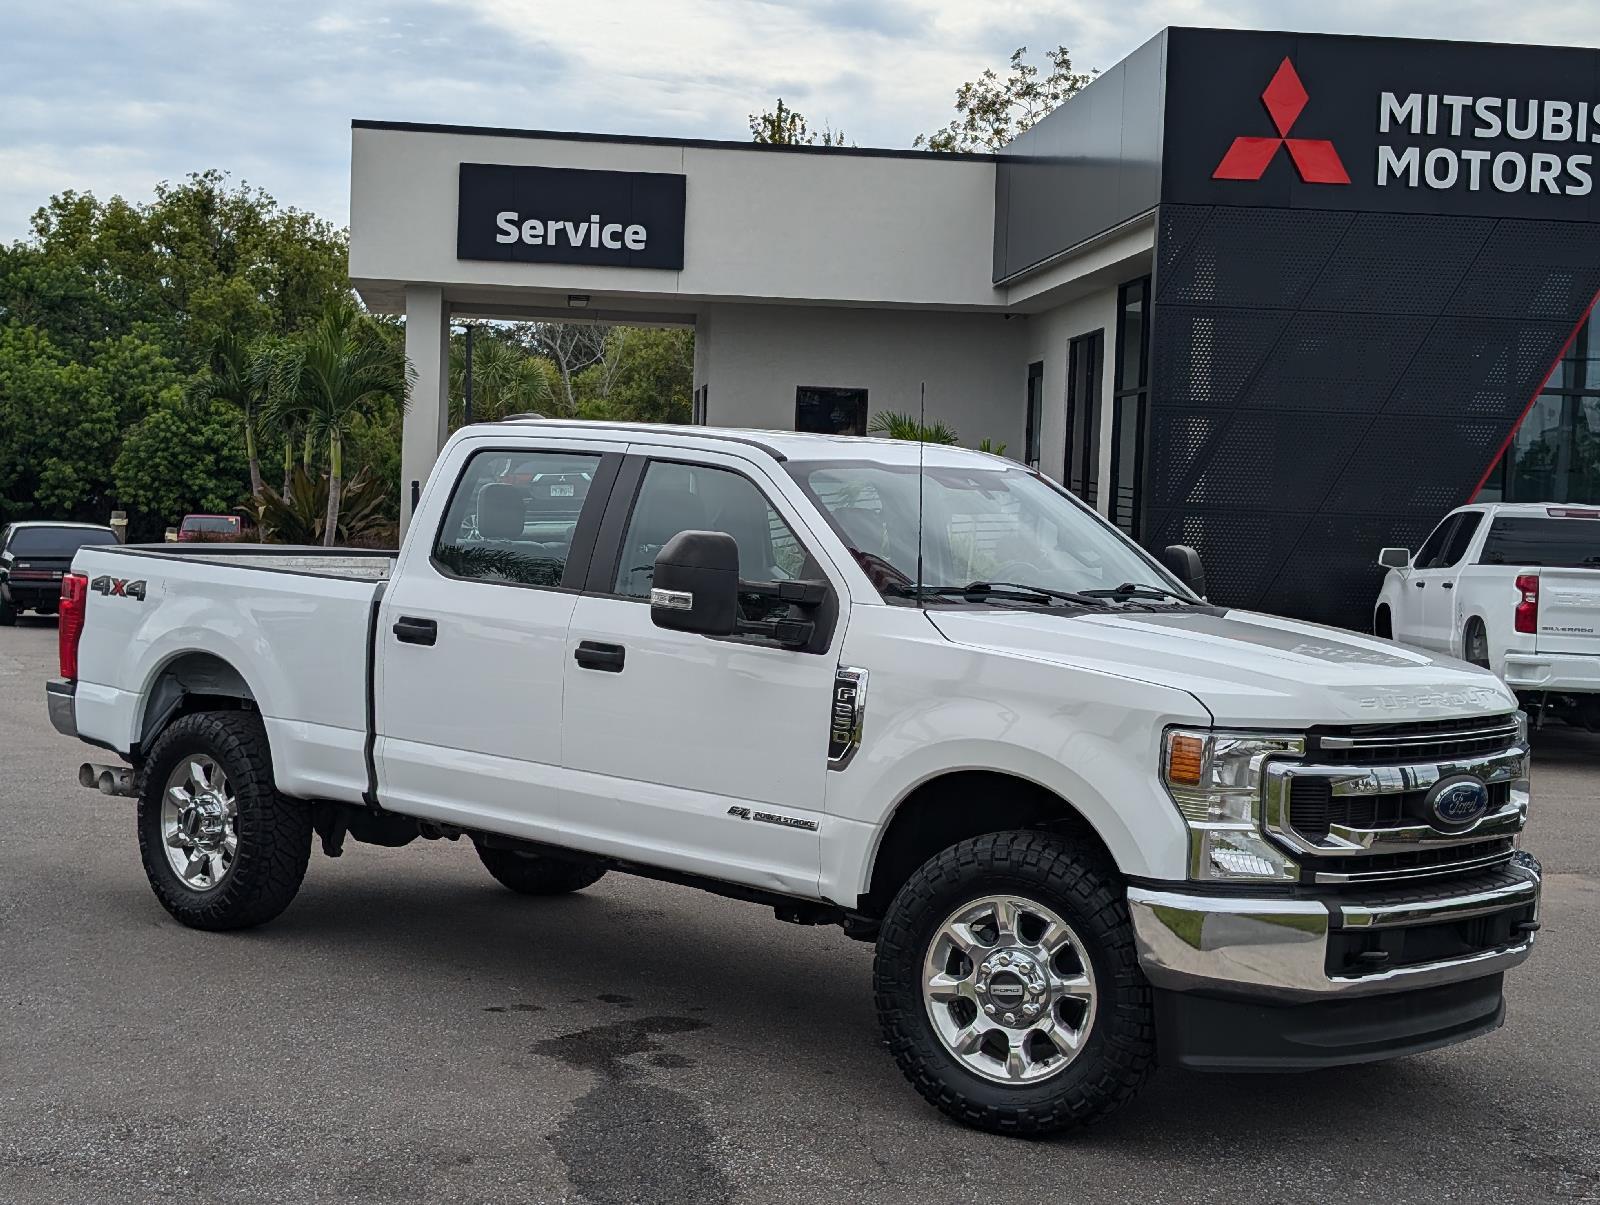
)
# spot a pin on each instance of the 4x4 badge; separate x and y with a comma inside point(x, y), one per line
point(117, 587)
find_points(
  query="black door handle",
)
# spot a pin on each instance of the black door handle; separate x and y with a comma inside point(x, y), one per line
point(591, 654)
point(1422, 585)
point(410, 630)
point(1447, 585)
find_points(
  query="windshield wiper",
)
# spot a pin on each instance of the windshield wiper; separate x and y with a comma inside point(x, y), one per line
point(980, 590)
point(1139, 590)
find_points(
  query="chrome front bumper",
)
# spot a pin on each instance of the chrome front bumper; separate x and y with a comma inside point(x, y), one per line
point(61, 697)
point(1277, 949)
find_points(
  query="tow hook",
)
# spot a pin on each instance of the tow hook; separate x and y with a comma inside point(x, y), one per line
point(110, 780)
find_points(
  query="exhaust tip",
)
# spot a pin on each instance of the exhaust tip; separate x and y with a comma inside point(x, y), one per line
point(86, 775)
point(108, 783)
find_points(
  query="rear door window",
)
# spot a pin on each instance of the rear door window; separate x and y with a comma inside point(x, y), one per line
point(513, 516)
point(1537, 541)
point(1460, 536)
point(55, 541)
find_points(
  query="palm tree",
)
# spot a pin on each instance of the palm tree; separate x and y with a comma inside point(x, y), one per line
point(505, 379)
point(232, 377)
point(345, 368)
point(903, 426)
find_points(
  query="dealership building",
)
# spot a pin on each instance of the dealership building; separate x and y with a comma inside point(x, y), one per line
point(1287, 298)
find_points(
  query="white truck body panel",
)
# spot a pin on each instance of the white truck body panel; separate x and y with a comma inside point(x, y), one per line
point(1435, 605)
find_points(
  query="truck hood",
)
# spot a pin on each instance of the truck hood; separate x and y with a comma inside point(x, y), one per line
point(1247, 669)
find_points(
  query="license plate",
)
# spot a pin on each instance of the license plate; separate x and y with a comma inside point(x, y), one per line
point(561, 491)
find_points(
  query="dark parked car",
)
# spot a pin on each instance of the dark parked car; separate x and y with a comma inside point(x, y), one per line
point(33, 556)
point(224, 529)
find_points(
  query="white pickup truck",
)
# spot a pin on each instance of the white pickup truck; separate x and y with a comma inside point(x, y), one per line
point(925, 694)
point(1513, 587)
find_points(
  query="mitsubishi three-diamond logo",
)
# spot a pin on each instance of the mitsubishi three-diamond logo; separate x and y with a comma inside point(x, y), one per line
point(1314, 158)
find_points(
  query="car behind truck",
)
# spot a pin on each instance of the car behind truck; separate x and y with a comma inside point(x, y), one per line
point(924, 694)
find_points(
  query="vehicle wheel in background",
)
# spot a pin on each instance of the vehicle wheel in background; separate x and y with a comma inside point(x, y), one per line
point(531, 874)
point(221, 847)
point(8, 615)
point(1383, 624)
point(1008, 986)
point(1475, 643)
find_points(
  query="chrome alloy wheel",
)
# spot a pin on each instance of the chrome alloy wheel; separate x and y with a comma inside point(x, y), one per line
point(199, 822)
point(1010, 989)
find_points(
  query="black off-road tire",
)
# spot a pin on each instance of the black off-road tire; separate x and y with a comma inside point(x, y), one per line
point(531, 874)
point(274, 831)
point(1084, 890)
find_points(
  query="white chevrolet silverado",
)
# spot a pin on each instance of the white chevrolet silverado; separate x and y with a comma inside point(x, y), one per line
point(920, 692)
point(1513, 587)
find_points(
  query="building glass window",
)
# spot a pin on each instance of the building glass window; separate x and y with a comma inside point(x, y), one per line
point(1084, 355)
point(1035, 415)
point(701, 398)
point(1555, 454)
point(824, 410)
point(1130, 401)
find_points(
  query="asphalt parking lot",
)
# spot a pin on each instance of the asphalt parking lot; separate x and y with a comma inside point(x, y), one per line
point(410, 1031)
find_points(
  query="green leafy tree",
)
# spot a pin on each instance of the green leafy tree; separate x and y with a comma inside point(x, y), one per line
point(184, 456)
point(506, 378)
point(783, 126)
point(646, 375)
point(991, 111)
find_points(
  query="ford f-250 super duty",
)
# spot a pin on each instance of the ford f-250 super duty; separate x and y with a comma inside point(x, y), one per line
point(923, 693)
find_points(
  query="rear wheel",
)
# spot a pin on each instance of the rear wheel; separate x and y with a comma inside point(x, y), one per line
point(8, 614)
point(1008, 986)
point(221, 848)
point(1475, 644)
point(533, 874)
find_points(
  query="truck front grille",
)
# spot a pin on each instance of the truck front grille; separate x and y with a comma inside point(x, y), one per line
point(1424, 741)
point(1313, 809)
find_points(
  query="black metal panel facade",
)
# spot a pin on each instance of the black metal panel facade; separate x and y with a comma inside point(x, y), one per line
point(1336, 363)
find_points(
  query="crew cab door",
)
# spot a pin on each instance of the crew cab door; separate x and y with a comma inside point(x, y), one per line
point(1417, 613)
point(471, 636)
point(1441, 606)
point(704, 755)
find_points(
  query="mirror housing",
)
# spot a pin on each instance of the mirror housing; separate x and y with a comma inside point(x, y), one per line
point(1395, 558)
point(696, 584)
point(1184, 564)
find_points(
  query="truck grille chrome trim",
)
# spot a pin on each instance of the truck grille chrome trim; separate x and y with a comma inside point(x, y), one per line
point(1425, 741)
point(1403, 829)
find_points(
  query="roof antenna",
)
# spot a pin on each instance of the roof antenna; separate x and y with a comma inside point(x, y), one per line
point(922, 434)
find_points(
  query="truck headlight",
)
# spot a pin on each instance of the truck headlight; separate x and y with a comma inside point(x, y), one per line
point(1215, 779)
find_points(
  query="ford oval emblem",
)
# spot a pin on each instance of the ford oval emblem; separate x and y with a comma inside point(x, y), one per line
point(1458, 801)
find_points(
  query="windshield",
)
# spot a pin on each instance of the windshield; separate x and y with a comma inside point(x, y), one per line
point(56, 541)
point(1533, 541)
point(980, 524)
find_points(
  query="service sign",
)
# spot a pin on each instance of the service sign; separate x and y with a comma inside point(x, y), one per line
point(1372, 124)
point(564, 215)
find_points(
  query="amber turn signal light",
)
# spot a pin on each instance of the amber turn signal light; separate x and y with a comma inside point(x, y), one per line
point(1185, 759)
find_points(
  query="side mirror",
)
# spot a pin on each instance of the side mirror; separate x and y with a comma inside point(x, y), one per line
point(1395, 558)
point(1184, 562)
point(696, 584)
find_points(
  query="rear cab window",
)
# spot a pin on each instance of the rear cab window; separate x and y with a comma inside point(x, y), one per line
point(1543, 540)
point(55, 542)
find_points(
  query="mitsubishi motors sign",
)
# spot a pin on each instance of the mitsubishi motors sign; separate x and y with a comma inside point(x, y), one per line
point(1376, 124)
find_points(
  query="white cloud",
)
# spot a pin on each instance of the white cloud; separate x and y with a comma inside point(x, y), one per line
point(112, 97)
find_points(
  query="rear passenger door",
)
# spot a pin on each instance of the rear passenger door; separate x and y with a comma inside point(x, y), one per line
point(471, 639)
point(697, 754)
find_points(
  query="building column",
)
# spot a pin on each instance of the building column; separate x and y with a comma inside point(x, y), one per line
point(427, 417)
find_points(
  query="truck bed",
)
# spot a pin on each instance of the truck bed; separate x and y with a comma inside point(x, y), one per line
point(295, 624)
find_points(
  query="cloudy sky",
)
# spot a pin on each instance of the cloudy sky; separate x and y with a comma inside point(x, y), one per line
point(111, 97)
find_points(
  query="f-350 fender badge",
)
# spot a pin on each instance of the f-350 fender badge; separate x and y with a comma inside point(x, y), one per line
point(848, 710)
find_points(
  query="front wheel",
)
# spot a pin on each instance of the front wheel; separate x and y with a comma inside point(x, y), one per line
point(1008, 985)
point(8, 614)
point(221, 848)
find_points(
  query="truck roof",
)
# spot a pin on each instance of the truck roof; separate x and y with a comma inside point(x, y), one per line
point(1541, 509)
point(21, 523)
point(783, 445)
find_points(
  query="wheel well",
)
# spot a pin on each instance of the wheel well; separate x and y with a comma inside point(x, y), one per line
point(960, 805)
point(189, 683)
point(1383, 622)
